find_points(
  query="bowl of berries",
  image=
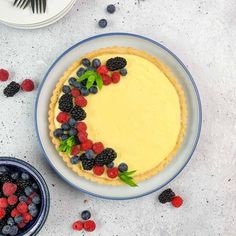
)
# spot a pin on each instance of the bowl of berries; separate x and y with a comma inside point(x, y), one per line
point(24, 198)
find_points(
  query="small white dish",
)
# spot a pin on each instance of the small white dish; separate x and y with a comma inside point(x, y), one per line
point(184, 78)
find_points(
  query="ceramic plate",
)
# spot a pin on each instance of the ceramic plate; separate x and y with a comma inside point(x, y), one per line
point(127, 40)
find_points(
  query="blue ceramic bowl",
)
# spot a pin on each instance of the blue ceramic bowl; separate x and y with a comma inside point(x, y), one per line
point(35, 225)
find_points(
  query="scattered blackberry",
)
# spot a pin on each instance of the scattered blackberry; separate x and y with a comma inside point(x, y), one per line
point(107, 156)
point(116, 63)
point(166, 196)
point(78, 113)
point(66, 102)
point(87, 163)
point(11, 89)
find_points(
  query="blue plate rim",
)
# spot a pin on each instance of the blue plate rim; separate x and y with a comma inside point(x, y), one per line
point(153, 42)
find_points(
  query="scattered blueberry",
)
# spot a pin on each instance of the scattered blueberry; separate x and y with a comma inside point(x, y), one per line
point(32, 206)
point(33, 212)
point(6, 229)
point(15, 175)
point(13, 230)
point(66, 89)
point(64, 137)
point(72, 122)
point(72, 132)
point(25, 176)
point(86, 62)
point(80, 71)
point(28, 190)
point(102, 23)
point(123, 167)
point(93, 90)
point(18, 219)
point(85, 215)
point(96, 63)
point(110, 165)
point(123, 72)
point(84, 91)
point(74, 160)
point(89, 154)
point(10, 221)
point(36, 199)
point(65, 126)
point(111, 8)
point(77, 84)
point(23, 198)
point(3, 170)
point(58, 133)
point(72, 80)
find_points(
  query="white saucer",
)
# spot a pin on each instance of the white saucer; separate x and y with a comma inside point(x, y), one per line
point(184, 78)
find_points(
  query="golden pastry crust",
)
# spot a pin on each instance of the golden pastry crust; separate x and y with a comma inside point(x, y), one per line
point(118, 50)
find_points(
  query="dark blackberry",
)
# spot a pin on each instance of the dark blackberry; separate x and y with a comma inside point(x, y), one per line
point(78, 113)
point(66, 102)
point(116, 63)
point(107, 156)
point(166, 196)
point(11, 89)
point(87, 163)
point(5, 178)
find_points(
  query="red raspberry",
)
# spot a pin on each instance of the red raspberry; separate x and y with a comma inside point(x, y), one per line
point(102, 70)
point(2, 213)
point(32, 195)
point(98, 170)
point(29, 201)
point(115, 77)
point(15, 213)
point(106, 79)
point(12, 200)
point(9, 188)
point(112, 172)
point(4, 75)
point(22, 207)
point(27, 217)
point(75, 92)
point(98, 147)
point(177, 201)
point(89, 225)
point(78, 225)
point(81, 126)
point(75, 150)
point(81, 101)
point(21, 225)
point(87, 145)
point(3, 202)
point(82, 137)
point(63, 117)
point(27, 85)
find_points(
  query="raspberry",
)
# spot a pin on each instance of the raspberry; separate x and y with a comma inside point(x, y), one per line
point(98, 170)
point(102, 70)
point(98, 147)
point(115, 77)
point(32, 195)
point(4, 75)
point(15, 213)
point(21, 225)
point(27, 217)
point(78, 225)
point(106, 79)
point(22, 207)
point(2, 213)
point(81, 126)
point(63, 117)
point(27, 85)
point(82, 137)
point(177, 201)
point(75, 92)
point(3, 202)
point(89, 225)
point(75, 150)
point(112, 172)
point(12, 200)
point(9, 188)
point(87, 145)
point(81, 101)
point(29, 201)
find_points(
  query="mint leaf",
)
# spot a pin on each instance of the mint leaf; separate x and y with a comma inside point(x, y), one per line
point(99, 81)
point(127, 178)
point(90, 81)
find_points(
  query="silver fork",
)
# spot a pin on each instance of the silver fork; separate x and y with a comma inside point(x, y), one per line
point(21, 3)
point(38, 6)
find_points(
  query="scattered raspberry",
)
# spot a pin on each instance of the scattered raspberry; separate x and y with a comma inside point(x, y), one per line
point(81, 101)
point(12, 200)
point(2, 213)
point(82, 137)
point(89, 225)
point(75, 92)
point(29, 201)
point(4, 75)
point(21, 225)
point(98, 147)
point(102, 70)
point(27, 85)
point(81, 126)
point(98, 170)
point(106, 79)
point(9, 188)
point(3, 202)
point(75, 150)
point(112, 172)
point(177, 201)
point(15, 213)
point(22, 207)
point(115, 77)
point(27, 217)
point(87, 145)
point(63, 117)
point(78, 225)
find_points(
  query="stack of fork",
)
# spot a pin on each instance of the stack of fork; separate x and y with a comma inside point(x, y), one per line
point(38, 6)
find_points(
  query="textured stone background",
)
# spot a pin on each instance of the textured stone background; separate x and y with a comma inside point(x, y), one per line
point(203, 34)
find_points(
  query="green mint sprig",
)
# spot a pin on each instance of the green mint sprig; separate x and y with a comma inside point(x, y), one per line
point(66, 145)
point(127, 178)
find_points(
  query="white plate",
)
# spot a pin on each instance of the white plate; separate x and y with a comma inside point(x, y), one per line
point(16, 16)
point(184, 78)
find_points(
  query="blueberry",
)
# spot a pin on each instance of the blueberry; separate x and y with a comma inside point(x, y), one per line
point(72, 81)
point(66, 89)
point(34, 212)
point(89, 154)
point(64, 137)
point(74, 160)
point(72, 132)
point(65, 126)
point(58, 133)
point(10, 221)
point(86, 62)
point(15, 175)
point(111, 8)
point(85, 215)
point(18, 219)
point(91, 68)
point(102, 23)
point(13, 230)
point(110, 165)
point(80, 71)
point(84, 91)
point(23, 198)
point(96, 63)
point(72, 122)
point(3, 170)
point(123, 72)
point(93, 90)
point(32, 206)
point(35, 186)
point(77, 84)
point(36, 199)
point(28, 190)
point(6, 229)
point(123, 167)
point(25, 176)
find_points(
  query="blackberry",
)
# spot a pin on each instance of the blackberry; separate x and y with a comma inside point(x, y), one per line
point(116, 63)
point(78, 113)
point(107, 156)
point(166, 196)
point(66, 102)
point(11, 89)
point(87, 163)
point(5, 178)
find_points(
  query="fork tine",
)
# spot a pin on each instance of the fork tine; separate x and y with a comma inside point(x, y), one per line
point(23, 3)
point(15, 2)
point(32, 5)
point(19, 3)
point(40, 6)
point(27, 3)
point(44, 6)
point(37, 6)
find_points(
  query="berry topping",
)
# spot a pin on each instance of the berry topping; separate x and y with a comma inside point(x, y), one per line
point(12, 200)
point(87, 163)
point(89, 154)
point(166, 196)
point(116, 63)
point(72, 81)
point(75, 150)
point(75, 92)
point(110, 165)
point(84, 91)
point(102, 70)
point(83, 137)
point(93, 90)
point(15, 213)
point(22, 207)
point(36, 199)
point(177, 201)
point(66, 89)
point(6, 229)
point(89, 225)
point(2, 213)
point(122, 167)
point(102, 23)
point(66, 102)
point(112, 172)
point(107, 156)
point(98, 147)
point(81, 126)
point(74, 160)
point(27, 217)
point(4, 75)
point(86, 62)
point(63, 117)
point(106, 79)
point(79, 73)
point(78, 225)
point(85, 215)
point(9, 188)
point(11, 89)
point(78, 113)
point(18, 219)
point(25, 176)
point(98, 170)
point(96, 63)
point(21, 225)
point(72, 122)
point(81, 101)
point(27, 85)
point(111, 8)
point(115, 77)
point(58, 133)
point(72, 132)
point(88, 144)
point(123, 72)
point(3, 202)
